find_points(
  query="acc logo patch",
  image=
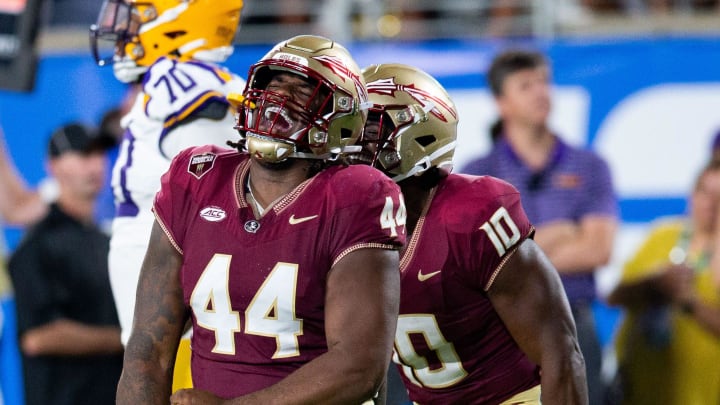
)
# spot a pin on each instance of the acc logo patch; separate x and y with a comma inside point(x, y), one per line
point(201, 164)
point(213, 214)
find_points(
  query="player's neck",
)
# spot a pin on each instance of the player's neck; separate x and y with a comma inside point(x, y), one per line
point(267, 185)
point(417, 198)
point(532, 144)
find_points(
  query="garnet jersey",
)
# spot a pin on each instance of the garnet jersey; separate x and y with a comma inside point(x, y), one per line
point(181, 104)
point(450, 344)
point(257, 286)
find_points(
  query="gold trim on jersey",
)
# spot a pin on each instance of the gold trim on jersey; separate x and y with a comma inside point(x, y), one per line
point(239, 184)
point(409, 252)
point(241, 176)
point(284, 201)
point(372, 245)
point(167, 233)
point(505, 258)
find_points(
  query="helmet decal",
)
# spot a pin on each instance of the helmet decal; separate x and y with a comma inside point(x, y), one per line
point(338, 66)
point(388, 87)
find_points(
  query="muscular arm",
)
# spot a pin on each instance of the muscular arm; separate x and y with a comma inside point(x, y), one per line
point(529, 297)
point(159, 320)
point(361, 309)
point(584, 247)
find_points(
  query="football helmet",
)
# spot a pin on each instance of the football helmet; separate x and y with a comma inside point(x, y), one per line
point(412, 125)
point(142, 31)
point(322, 121)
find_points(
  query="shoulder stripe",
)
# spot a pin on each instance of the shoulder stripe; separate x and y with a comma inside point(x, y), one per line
point(222, 75)
point(504, 260)
point(359, 246)
point(167, 233)
point(193, 106)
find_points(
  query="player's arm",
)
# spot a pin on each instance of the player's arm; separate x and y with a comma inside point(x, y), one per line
point(529, 297)
point(159, 319)
point(361, 309)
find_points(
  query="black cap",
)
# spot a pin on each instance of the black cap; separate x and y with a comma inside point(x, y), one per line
point(77, 138)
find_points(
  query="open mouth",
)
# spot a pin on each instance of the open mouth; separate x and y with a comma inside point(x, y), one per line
point(277, 119)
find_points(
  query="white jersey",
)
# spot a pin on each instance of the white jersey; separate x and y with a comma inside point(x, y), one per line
point(164, 120)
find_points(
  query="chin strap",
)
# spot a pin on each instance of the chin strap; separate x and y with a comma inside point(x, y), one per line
point(425, 163)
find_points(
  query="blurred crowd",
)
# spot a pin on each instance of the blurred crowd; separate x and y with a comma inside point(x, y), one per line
point(668, 344)
point(349, 19)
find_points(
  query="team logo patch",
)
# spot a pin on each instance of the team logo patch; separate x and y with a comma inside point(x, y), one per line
point(201, 164)
point(252, 226)
point(213, 214)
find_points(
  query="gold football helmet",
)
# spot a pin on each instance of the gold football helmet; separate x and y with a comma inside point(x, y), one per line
point(412, 125)
point(142, 31)
point(324, 123)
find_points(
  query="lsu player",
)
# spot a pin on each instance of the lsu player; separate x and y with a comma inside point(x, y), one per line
point(483, 315)
point(171, 49)
point(284, 258)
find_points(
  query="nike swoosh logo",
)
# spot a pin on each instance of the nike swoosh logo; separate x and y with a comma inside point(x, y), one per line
point(423, 277)
point(295, 221)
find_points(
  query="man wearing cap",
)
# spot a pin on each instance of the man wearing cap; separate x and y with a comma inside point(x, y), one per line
point(68, 328)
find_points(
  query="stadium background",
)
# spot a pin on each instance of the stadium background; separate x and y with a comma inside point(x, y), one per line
point(647, 102)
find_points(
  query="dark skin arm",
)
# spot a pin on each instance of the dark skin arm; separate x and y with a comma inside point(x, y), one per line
point(361, 309)
point(529, 297)
point(159, 321)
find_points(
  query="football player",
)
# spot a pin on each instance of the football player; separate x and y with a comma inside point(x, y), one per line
point(171, 49)
point(283, 258)
point(483, 315)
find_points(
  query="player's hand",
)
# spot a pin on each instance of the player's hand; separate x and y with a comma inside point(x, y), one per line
point(194, 397)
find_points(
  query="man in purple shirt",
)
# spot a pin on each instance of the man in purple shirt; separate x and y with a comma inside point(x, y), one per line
point(566, 192)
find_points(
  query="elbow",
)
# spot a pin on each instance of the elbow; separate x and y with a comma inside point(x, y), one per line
point(31, 344)
point(371, 381)
point(367, 377)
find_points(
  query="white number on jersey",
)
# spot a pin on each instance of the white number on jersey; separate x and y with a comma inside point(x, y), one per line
point(210, 301)
point(270, 313)
point(497, 230)
point(389, 219)
point(416, 367)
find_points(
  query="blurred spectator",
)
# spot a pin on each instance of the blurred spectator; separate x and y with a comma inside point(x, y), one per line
point(668, 346)
point(567, 192)
point(715, 147)
point(67, 324)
